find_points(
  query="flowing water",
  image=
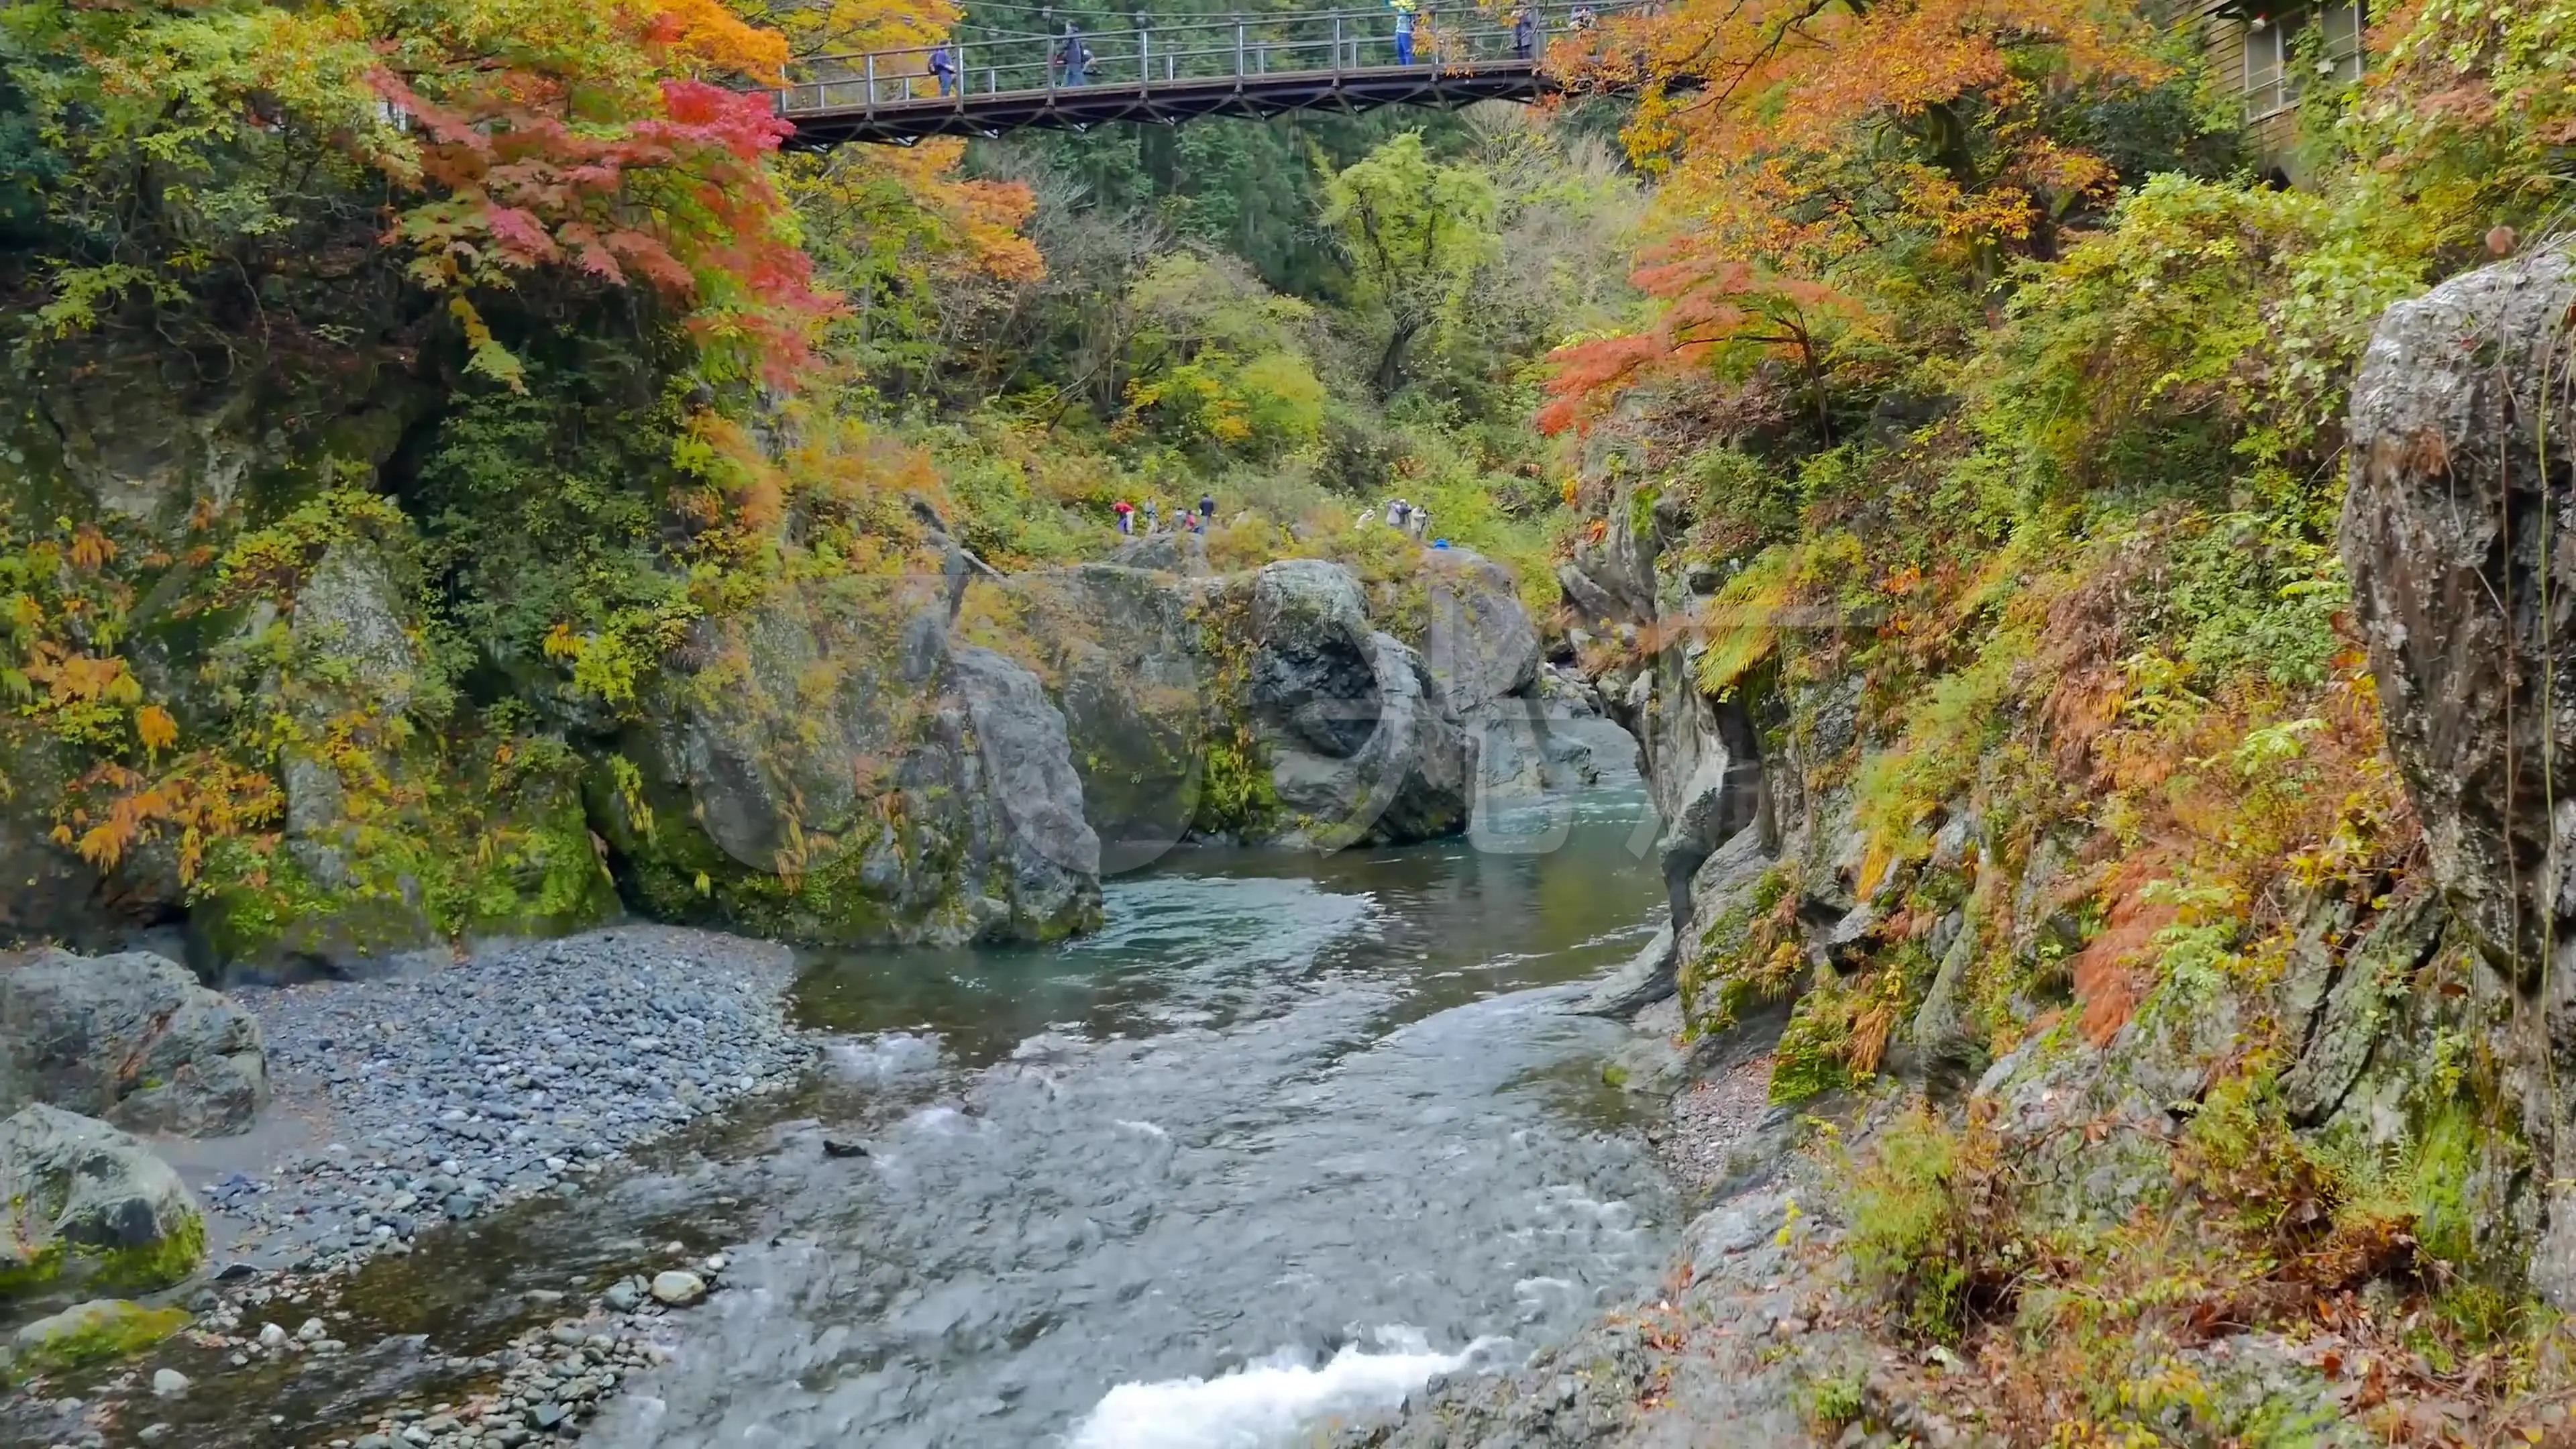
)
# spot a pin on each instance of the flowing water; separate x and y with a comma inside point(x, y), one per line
point(1284, 1140)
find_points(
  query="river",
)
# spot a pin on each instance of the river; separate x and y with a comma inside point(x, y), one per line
point(1283, 1140)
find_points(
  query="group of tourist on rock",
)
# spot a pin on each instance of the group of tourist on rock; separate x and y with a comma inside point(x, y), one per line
point(1404, 516)
point(1184, 521)
point(1070, 61)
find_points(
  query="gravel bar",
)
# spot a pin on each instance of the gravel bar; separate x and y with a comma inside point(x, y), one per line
point(447, 1094)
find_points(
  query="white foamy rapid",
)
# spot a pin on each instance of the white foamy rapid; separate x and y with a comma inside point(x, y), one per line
point(1267, 1400)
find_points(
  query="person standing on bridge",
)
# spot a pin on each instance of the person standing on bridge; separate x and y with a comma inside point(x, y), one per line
point(1525, 35)
point(943, 66)
point(1072, 57)
point(1404, 14)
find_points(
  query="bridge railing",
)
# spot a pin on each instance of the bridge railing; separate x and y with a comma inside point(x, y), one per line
point(1242, 48)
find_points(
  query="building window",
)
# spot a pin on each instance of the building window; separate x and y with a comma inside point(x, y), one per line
point(2275, 75)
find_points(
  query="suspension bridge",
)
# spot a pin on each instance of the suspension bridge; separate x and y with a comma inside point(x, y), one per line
point(1259, 65)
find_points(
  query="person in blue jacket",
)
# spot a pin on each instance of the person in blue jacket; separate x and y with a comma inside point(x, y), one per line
point(1404, 13)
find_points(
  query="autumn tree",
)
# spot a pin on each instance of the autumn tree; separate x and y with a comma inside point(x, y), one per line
point(1809, 147)
point(210, 159)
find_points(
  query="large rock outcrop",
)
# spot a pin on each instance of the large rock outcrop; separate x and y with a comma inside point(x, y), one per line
point(1120, 650)
point(811, 782)
point(133, 1039)
point(1269, 705)
point(2459, 533)
point(2456, 531)
point(1483, 647)
point(81, 1202)
point(1702, 758)
point(1363, 746)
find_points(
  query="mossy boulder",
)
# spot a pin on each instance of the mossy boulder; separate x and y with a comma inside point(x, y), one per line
point(1118, 651)
point(835, 769)
point(101, 1330)
point(1362, 744)
point(86, 1203)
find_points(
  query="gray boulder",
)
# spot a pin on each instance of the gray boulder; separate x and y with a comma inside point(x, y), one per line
point(1479, 640)
point(1120, 654)
point(1048, 853)
point(2457, 535)
point(133, 1039)
point(1171, 553)
point(816, 779)
point(1363, 745)
point(83, 1202)
point(1524, 747)
point(1647, 977)
point(97, 1331)
point(2443, 534)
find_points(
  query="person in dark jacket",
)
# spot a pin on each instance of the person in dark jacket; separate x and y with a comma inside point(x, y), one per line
point(1207, 505)
point(1072, 57)
point(943, 66)
point(1525, 36)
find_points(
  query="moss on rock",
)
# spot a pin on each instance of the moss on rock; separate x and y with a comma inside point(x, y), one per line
point(100, 1331)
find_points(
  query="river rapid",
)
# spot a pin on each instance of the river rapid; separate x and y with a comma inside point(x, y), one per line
point(1282, 1142)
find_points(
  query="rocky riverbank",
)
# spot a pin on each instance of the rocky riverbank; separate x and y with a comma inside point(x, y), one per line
point(408, 1105)
point(439, 1097)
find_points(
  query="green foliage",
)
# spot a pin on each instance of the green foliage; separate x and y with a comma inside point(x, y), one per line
point(2252, 600)
point(1220, 363)
point(1415, 232)
point(1834, 1400)
point(1931, 1229)
point(544, 515)
point(1811, 1058)
point(1937, 755)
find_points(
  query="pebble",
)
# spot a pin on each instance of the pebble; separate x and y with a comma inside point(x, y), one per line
point(459, 1091)
point(678, 1288)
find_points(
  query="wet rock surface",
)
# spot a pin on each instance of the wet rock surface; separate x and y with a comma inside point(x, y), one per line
point(841, 770)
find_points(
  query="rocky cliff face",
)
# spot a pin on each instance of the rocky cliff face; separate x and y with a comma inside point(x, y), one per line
point(1702, 757)
point(278, 707)
point(807, 781)
point(2416, 1016)
point(2458, 536)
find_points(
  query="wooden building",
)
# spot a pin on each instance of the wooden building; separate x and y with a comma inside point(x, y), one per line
point(2268, 52)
